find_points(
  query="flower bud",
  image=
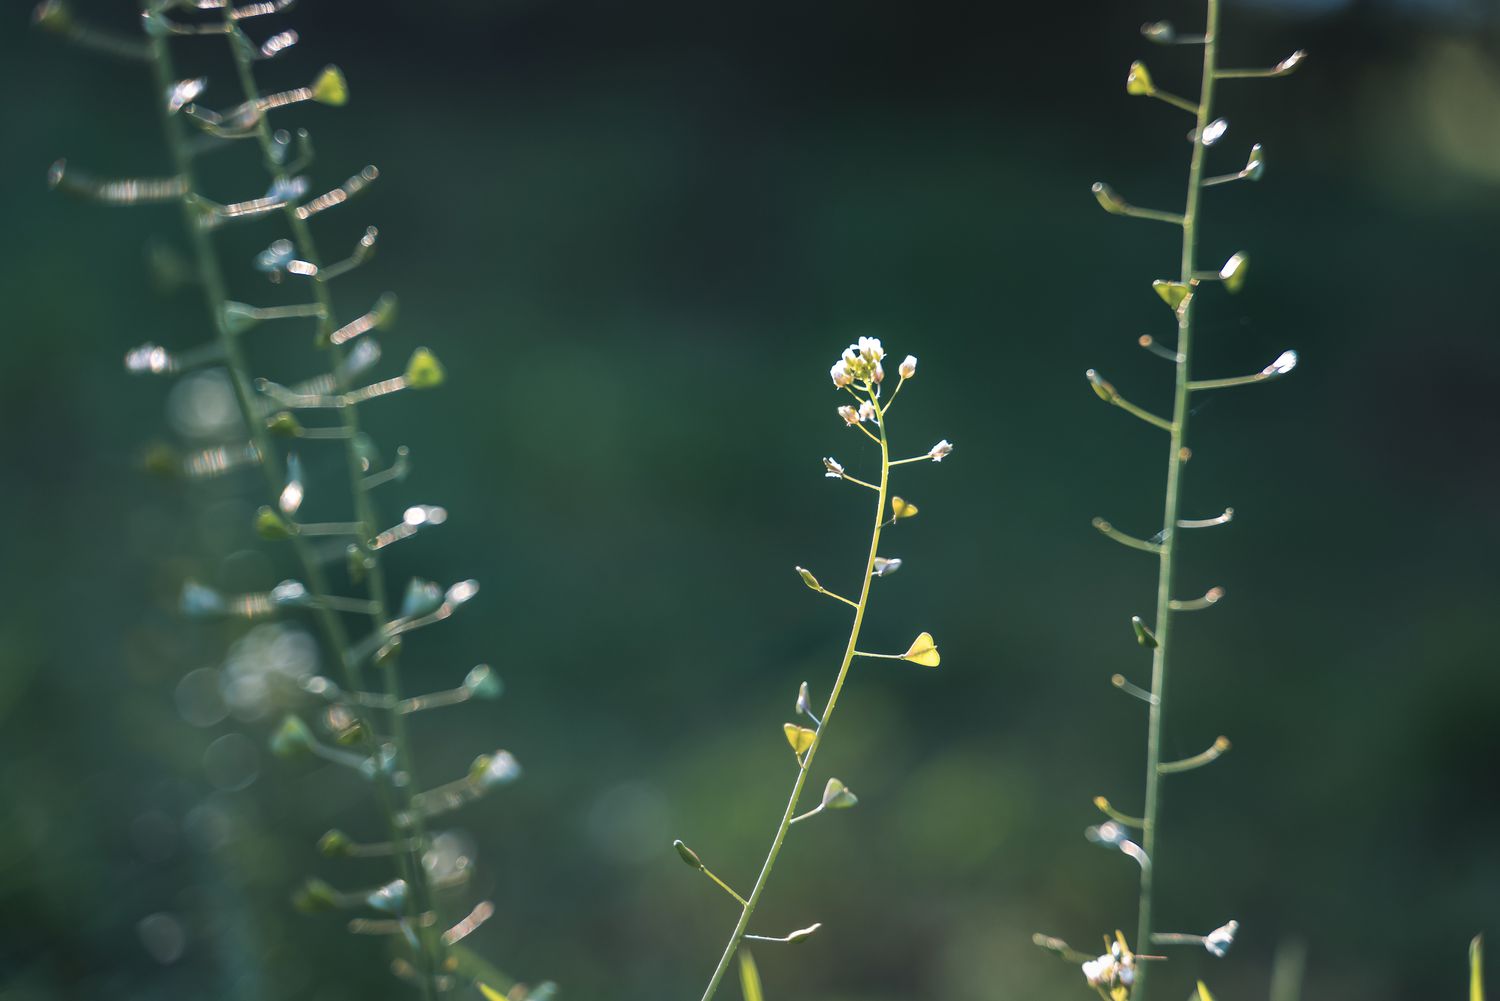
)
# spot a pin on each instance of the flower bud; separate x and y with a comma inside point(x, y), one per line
point(908, 367)
point(866, 411)
point(879, 374)
point(940, 450)
point(335, 844)
point(1232, 274)
point(840, 375)
point(390, 898)
point(1220, 939)
point(850, 415)
point(688, 855)
point(835, 470)
point(1138, 81)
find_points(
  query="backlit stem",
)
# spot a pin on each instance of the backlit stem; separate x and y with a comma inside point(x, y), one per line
point(738, 935)
point(1176, 458)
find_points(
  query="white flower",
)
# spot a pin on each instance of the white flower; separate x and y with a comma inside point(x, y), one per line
point(909, 366)
point(885, 566)
point(850, 415)
point(1220, 939)
point(835, 470)
point(867, 411)
point(1113, 969)
point(940, 450)
point(879, 373)
point(870, 349)
point(840, 375)
point(1099, 972)
point(1284, 363)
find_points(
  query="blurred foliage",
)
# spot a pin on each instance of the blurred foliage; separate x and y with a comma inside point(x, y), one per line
point(634, 235)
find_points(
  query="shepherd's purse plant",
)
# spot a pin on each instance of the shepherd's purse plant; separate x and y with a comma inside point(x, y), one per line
point(1120, 974)
point(364, 713)
point(859, 372)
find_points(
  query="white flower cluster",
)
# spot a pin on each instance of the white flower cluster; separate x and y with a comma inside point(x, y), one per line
point(1112, 971)
point(860, 363)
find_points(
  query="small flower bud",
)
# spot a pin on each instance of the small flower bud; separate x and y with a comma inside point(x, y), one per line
point(1220, 939)
point(1232, 274)
point(940, 450)
point(908, 366)
point(335, 844)
point(1284, 363)
point(866, 411)
point(390, 898)
point(840, 375)
point(835, 469)
point(879, 373)
point(1138, 81)
point(688, 855)
point(850, 415)
point(884, 567)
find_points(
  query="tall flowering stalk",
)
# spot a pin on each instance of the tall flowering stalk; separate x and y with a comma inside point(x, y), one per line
point(1120, 974)
point(861, 374)
point(365, 725)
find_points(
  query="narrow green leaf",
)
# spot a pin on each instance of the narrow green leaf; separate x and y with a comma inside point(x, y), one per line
point(750, 977)
point(1476, 969)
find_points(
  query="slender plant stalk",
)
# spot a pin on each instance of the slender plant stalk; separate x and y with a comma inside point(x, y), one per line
point(859, 373)
point(430, 957)
point(1116, 975)
point(738, 935)
point(393, 802)
point(1176, 460)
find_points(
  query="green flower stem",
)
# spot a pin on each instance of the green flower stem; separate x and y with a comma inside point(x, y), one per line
point(1175, 460)
point(791, 807)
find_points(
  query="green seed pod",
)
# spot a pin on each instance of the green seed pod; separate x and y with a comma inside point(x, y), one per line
point(688, 855)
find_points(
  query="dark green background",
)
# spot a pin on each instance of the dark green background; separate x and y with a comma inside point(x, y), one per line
point(638, 235)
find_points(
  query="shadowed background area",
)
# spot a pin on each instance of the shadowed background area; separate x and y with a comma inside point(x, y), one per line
point(638, 236)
